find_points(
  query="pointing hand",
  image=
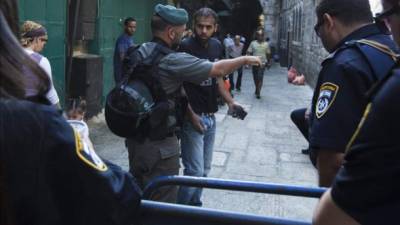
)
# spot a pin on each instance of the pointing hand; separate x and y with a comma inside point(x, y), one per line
point(253, 60)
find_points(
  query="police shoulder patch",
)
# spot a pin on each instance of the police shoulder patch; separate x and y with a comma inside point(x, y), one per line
point(327, 95)
point(86, 153)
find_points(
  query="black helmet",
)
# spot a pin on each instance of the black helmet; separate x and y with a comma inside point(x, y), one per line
point(127, 106)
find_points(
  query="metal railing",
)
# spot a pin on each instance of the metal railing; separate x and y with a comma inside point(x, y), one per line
point(157, 213)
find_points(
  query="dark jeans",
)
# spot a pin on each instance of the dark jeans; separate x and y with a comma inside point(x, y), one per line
point(300, 121)
point(238, 79)
point(258, 77)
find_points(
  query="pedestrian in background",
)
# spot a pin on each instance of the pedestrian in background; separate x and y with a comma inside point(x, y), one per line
point(121, 47)
point(33, 39)
point(236, 50)
point(228, 41)
point(300, 117)
point(260, 48)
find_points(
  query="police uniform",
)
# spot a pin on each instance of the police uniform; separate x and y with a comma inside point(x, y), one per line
point(49, 175)
point(152, 158)
point(367, 187)
point(196, 147)
point(339, 97)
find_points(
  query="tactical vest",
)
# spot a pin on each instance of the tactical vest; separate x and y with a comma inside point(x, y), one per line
point(168, 112)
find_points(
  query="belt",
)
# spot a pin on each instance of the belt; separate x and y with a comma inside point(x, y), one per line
point(206, 114)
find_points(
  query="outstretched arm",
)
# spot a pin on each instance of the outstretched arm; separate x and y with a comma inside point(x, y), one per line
point(227, 66)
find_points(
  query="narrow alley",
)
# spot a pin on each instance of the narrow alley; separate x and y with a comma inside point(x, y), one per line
point(265, 147)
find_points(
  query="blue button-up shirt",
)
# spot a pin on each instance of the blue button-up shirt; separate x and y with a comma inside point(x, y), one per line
point(121, 47)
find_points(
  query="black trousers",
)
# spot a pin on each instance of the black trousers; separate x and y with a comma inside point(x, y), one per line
point(300, 121)
point(238, 80)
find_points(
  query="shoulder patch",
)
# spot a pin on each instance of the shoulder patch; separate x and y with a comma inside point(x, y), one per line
point(86, 153)
point(327, 95)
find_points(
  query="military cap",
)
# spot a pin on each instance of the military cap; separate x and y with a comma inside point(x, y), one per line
point(171, 14)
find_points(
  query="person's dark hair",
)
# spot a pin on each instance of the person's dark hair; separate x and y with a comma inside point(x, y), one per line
point(76, 106)
point(205, 12)
point(128, 20)
point(158, 24)
point(348, 12)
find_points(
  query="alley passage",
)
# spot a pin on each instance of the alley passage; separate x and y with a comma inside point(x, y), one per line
point(265, 147)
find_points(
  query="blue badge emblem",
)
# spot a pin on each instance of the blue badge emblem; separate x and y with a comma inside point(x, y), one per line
point(327, 95)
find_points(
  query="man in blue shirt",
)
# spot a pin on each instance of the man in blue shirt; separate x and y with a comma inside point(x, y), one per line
point(121, 47)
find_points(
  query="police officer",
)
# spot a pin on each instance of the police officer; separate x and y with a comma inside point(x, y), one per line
point(338, 102)
point(366, 188)
point(150, 158)
point(198, 132)
point(48, 173)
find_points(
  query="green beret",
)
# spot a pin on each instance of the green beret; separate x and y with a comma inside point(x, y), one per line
point(171, 14)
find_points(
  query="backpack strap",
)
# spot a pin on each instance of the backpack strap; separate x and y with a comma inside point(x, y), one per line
point(377, 85)
point(382, 61)
point(380, 57)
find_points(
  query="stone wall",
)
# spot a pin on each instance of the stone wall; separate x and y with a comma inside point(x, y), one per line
point(291, 25)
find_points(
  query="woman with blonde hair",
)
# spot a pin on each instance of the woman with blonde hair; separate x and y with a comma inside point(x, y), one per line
point(33, 39)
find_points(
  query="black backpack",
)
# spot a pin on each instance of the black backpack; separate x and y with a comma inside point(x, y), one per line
point(138, 107)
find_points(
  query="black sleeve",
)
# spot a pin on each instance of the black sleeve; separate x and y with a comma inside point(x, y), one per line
point(367, 185)
point(107, 191)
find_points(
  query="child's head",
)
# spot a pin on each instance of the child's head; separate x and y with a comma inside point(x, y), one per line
point(76, 109)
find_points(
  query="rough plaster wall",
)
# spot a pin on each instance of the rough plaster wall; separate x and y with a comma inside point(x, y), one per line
point(305, 50)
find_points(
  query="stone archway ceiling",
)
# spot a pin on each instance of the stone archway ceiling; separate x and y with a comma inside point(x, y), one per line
point(228, 4)
point(245, 18)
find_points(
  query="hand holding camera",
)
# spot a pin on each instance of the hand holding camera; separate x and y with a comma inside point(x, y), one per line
point(237, 111)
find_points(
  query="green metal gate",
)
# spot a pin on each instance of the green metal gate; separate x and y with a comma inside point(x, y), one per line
point(110, 25)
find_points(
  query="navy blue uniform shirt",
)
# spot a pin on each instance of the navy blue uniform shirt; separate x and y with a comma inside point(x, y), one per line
point(367, 185)
point(203, 97)
point(121, 47)
point(49, 175)
point(339, 97)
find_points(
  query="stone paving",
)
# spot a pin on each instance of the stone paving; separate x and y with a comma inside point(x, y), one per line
point(265, 147)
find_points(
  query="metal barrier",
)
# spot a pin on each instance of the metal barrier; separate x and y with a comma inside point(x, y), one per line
point(157, 213)
point(257, 187)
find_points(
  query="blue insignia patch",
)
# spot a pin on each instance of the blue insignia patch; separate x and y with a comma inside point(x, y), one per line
point(327, 95)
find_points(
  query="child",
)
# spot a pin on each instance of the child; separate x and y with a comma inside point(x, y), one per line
point(75, 114)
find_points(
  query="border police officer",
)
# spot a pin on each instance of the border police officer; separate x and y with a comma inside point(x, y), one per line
point(150, 158)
